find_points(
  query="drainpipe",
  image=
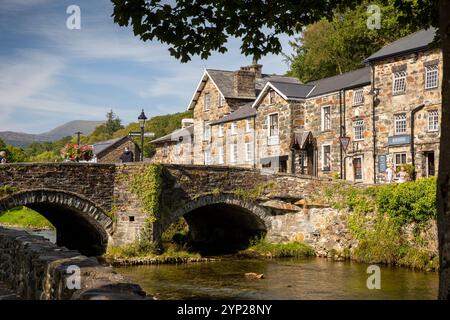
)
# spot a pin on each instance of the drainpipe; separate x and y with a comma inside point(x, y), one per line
point(254, 142)
point(374, 132)
point(344, 133)
point(340, 134)
point(413, 151)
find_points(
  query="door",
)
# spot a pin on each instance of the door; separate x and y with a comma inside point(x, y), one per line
point(430, 165)
point(310, 160)
point(357, 169)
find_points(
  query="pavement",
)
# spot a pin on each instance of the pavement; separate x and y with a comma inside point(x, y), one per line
point(6, 293)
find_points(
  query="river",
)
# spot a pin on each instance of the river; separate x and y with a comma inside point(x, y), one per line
point(312, 278)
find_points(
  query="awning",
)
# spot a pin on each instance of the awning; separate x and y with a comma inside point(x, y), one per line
point(301, 139)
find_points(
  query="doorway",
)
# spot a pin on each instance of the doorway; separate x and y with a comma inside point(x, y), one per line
point(357, 169)
point(430, 168)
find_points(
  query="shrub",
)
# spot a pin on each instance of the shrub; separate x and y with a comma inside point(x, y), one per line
point(282, 250)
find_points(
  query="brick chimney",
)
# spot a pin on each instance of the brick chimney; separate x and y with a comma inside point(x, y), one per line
point(244, 80)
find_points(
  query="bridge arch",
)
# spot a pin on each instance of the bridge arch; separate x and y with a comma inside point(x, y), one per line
point(80, 224)
point(222, 223)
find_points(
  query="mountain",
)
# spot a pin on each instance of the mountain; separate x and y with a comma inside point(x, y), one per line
point(20, 139)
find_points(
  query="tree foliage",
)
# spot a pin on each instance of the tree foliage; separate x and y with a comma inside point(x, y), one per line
point(327, 48)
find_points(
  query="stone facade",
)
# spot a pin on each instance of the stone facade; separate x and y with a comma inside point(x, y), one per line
point(113, 153)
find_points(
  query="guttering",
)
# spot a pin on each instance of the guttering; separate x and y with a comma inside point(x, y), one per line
point(413, 151)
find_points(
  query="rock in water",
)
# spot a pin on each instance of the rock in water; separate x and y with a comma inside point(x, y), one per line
point(254, 275)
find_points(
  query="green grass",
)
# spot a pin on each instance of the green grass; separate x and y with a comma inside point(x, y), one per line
point(24, 217)
point(279, 250)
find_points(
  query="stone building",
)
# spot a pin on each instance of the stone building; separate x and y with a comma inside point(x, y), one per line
point(110, 151)
point(386, 113)
point(177, 146)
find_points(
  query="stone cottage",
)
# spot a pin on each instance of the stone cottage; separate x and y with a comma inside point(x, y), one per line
point(110, 151)
point(351, 125)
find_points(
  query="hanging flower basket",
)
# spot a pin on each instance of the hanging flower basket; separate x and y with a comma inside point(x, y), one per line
point(76, 153)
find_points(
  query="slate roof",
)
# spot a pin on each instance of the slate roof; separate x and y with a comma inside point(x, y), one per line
point(224, 82)
point(414, 42)
point(174, 136)
point(245, 111)
point(293, 90)
point(347, 80)
point(103, 146)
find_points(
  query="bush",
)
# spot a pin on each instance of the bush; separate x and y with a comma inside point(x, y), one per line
point(281, 250)
point(139, 248)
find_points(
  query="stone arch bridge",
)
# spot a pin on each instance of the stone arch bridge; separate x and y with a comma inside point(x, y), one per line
point(93, 205)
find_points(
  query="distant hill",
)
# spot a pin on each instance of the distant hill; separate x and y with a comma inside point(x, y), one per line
point(20, 139)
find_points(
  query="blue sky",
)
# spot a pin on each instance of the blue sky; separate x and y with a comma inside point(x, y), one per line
point(50, 75)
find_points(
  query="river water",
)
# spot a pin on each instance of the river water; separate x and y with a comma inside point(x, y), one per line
point(313, 278)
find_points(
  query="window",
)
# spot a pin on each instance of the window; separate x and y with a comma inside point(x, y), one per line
point(221, 156)
point(358, 97)
point(165, 150)
point(233, 128)
point(178, 149)
point(326, 118)
point(271, 97)
point(326, 157)
point(273, 125)
point(233, 153)
point(399, 159)
point(248, 125)
point(248, 152)
point(206, 131)
point(399, 84)
point(207, 155)
point(400, 123)
point(221, 100)
point(357, 168)
point(207, 102)
point(431, 76)
point(358, 127)
point(221, 126)
point(433, 120)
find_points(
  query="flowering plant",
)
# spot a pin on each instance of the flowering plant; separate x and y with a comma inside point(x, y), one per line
point(76, 153)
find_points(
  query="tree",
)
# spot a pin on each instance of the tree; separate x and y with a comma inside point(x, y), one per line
point(201, 27)
point(327, 48)
point(104, 131)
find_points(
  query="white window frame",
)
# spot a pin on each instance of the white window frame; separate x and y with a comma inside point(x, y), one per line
point(221, 130)
point(248, 151)
point(323, 158)
point(325, 123)
point(207, 157)
point(233, 153)
point(397, 164)
point(433, 120)
point(207, 101)
point(248, 125)
point(400, 123)
point(358, 130)
point(358, 97)
point(273, 137)
point(233, 128)
point(221, 101)
point(431, 76)
point(399, 82)
point(178, 148)
point(221, 155)
point(206, 131)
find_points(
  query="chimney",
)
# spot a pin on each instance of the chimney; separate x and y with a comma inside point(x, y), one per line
point(186, 123)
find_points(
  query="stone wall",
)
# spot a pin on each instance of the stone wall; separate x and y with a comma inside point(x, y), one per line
point(114, 153)
point(38, 270)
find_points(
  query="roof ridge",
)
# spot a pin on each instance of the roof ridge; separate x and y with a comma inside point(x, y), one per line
point(338, 75)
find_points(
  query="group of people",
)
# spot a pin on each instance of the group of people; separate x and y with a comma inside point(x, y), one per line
point(391, 174)
point(2, 157)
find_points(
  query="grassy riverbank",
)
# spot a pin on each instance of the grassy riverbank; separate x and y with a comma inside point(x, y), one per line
point(264, 249)
point(24, 218)
point(394, 224)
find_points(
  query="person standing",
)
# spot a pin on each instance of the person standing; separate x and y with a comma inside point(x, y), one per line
point(2, 157)
point(402, 175)
point(127, 156)
point(390, 174)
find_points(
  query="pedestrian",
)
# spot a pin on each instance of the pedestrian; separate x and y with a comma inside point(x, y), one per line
point(2, 157)
point(390, 174)
point(127, 156)
point(402, 175)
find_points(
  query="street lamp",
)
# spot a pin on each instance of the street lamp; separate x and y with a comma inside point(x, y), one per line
point(142, 119)
point(78, 137)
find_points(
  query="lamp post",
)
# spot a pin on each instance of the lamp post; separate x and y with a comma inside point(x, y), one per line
point(142, 119)
point(78, 137)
